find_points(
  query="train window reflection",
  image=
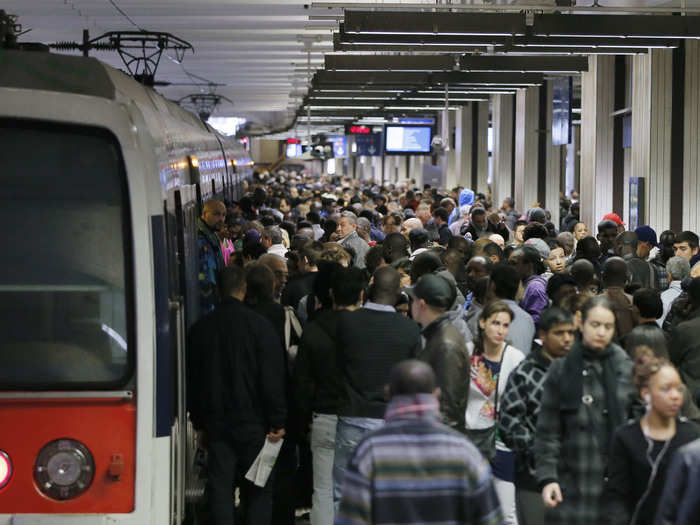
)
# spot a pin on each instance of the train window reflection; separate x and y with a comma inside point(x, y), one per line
point(64, 222)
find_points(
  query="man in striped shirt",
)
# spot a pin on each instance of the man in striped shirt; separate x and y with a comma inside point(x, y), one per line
point(414, 469)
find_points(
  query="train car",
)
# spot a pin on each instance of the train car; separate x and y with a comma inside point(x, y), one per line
point(101, 184)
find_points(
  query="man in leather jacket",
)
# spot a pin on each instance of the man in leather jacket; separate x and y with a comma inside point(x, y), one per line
point(444, 347)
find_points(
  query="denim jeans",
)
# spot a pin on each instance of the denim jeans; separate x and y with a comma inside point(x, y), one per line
point(322, 451)
point(350, 431)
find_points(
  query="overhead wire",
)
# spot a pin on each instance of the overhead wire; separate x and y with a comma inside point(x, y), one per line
point(192, 76)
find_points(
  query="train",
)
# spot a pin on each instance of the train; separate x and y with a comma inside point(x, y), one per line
point(102, 181)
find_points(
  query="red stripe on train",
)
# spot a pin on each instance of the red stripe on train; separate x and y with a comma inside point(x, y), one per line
point(106, 427)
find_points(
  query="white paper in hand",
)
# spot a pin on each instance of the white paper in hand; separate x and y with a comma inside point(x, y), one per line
point(260, 470)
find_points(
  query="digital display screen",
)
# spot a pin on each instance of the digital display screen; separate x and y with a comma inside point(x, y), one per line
point(408, 139)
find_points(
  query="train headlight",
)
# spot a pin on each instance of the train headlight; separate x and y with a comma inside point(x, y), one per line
point(5, 469)
point(64, 469)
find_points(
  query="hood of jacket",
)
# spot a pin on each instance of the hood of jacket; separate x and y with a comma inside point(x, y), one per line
point(466, 196)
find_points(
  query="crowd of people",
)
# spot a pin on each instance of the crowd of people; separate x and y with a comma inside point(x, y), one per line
point(428, 356)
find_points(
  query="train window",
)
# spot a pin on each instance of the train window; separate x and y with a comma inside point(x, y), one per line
point(65, 273)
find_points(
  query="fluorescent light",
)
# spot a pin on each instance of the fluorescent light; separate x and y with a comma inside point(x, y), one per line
point(493, 91)
point(413, 44)
point(361, 91)
point(431, 33)
point(425, 99)
point(641, 37)
point(593, 45)
point(321, 118)
point(341, 107)
point(418, 108)
point(353, 98)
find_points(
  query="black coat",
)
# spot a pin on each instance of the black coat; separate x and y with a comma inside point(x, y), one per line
point(370, 343)
point(236, 371)
point(684, 352)
point(680, 503)
point(629, 472)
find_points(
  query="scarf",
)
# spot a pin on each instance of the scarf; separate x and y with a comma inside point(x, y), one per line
point(571, 381)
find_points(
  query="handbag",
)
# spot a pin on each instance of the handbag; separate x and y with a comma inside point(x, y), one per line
point(484, 439)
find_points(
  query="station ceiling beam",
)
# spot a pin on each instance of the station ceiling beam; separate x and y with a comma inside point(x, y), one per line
point(380, 88)
point(616, 26)
point(472, 44)
point(388, 95)
point(396, 22)
point(352, 114)
point(457, 63)
point(515, 24)
point(408, 79)
point(408, 101)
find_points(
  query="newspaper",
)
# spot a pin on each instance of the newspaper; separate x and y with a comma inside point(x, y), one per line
point(259, 471)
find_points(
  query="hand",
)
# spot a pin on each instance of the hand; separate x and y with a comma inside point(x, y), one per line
point(275, 435)
point(551, 495)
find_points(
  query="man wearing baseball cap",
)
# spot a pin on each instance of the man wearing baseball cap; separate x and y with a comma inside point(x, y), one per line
point(646, 242)
point(444, 348)
point(617, 220)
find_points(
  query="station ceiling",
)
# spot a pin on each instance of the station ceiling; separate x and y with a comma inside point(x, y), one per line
point(255, 50)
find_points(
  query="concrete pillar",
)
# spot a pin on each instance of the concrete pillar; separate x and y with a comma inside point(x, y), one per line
point(691, 138)
point(572, 161)
point(554, 164)
point(481, 146)
point(526, 147)
point(502, 155)
point(463, 145)
point(402, 169)
point(376, 169)
point(452, 173)
point(597, 103)
point(651, 132)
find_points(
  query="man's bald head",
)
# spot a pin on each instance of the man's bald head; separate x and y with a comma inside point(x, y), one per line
point(214, 214)
point(615, 272)
point(583, 273)
point(386, 286)
point(411, 377)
